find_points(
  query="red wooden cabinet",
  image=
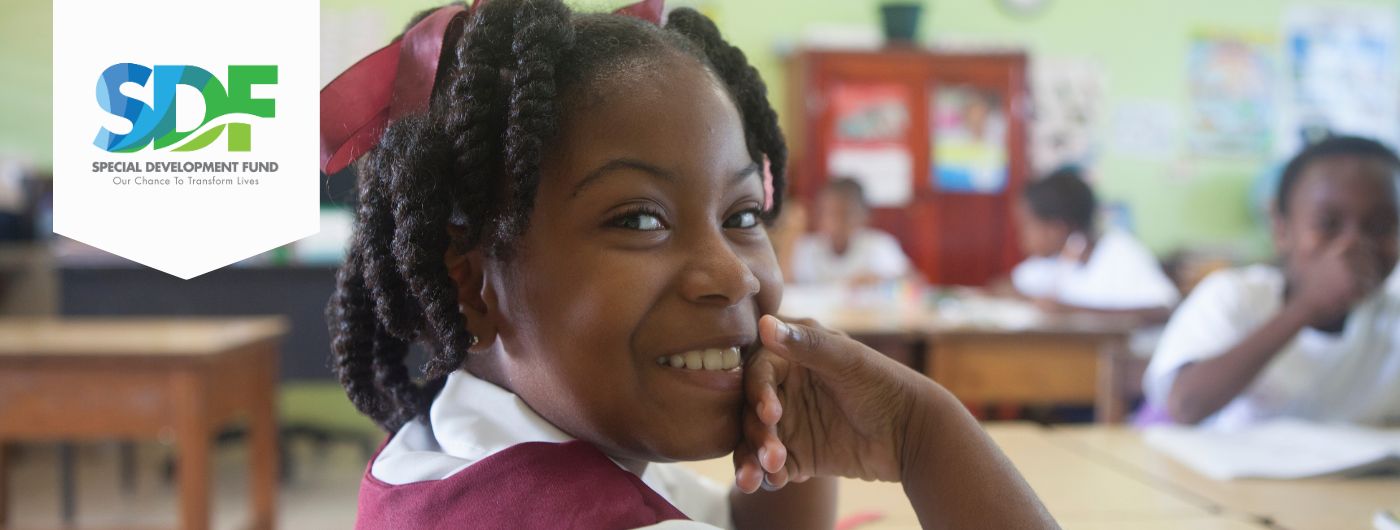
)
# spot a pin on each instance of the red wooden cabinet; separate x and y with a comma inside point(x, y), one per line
point(963, 132)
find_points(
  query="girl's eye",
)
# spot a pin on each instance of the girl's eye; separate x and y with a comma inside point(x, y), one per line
point(643, 221)
point(744, 219)
point(1329, 225)
point(1380, 226)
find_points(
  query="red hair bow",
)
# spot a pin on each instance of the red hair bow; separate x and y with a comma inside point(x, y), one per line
point(397, 80)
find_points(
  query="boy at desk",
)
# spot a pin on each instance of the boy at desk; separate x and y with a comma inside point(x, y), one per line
point(845, 249)
point(1316, 337)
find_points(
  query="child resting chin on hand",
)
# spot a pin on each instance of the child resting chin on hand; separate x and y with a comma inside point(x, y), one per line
point(572, 223)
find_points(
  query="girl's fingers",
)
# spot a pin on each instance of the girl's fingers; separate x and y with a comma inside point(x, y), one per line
point(748, 477)
point(760, 388)
point(748, 473)
point(770, 408)
point(775, 481)
point(817, 350)
point(772, 455)
point(768, 450)
point(760, 450)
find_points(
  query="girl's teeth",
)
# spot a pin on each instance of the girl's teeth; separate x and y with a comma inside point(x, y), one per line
point(731, 358)
point(711, 359)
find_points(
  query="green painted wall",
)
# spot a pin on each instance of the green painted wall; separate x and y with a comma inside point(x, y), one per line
point(26, 101)
point(1140, 45)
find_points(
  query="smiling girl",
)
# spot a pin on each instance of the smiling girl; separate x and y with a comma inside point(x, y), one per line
point(573, 225)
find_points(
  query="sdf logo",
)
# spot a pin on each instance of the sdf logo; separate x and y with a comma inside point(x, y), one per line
point(155, 122)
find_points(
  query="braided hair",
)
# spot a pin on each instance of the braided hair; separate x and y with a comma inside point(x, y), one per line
point(472, 160)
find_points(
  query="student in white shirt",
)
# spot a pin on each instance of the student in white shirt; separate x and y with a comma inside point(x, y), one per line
point(844, 249)
point(1317, 338)
point(1072, 266)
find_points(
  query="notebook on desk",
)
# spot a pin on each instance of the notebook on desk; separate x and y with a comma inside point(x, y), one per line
point(1281, 449)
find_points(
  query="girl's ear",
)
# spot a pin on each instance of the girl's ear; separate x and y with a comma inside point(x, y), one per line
point(466, 267)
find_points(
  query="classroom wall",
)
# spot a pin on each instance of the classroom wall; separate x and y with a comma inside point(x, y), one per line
point(26, 101)
point(1140, 46)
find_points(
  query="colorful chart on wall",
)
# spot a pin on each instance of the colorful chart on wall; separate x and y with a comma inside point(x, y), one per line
point(869, 140)
point(969, 139)
point(1231, 76)
point(1341, 75)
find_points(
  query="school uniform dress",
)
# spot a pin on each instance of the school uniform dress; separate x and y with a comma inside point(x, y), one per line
point(483, 459)
point(1352, 376)
point(869, 252)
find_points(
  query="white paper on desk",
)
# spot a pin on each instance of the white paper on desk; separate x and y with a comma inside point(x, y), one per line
point(990, 313)
point(1280, 449)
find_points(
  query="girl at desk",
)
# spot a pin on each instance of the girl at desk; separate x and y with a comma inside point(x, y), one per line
point(1072, 266)
point(1316, 337)
point(571, 222)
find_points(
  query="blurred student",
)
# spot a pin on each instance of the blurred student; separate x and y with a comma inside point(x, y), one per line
point(1316, 337)
point(1074, 266)
point(844, 249)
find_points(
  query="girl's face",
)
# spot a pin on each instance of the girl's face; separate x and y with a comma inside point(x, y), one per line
point(841, 217)
point(1039, 237)
point(1347, 200)
point(644, 243)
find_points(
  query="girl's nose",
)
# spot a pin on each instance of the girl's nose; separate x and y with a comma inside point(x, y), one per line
point(717, 275)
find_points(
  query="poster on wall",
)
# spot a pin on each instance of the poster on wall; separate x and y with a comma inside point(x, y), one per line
point(1341, 75)
point(869, 140)
point(969, 140)
point(1145, 129)
point(1066, 95)
point(1230, 76)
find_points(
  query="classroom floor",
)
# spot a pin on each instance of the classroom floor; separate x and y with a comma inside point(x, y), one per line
point(321, 495)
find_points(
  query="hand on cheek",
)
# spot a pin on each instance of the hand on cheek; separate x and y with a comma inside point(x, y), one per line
point(821, 404)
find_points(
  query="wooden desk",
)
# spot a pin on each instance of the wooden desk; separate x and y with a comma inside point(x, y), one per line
point(1055, 359)
point(1321, 504)
point(1082, 492)
point(84, 379)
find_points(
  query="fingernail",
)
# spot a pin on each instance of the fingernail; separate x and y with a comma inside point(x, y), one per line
point(789, 333)
point(768, 486)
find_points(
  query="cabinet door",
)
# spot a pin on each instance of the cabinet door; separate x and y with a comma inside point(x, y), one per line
point(938, 141)
point(976, 165)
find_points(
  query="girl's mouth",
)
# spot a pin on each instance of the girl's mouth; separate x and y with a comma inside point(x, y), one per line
point(709, 359)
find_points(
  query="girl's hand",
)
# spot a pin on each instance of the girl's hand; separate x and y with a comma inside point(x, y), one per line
point(1332, 283)
point(822, 404)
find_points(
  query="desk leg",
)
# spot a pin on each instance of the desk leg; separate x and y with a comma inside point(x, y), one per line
point(262, 436)
point(4, 487)
point(1108, 396)
point(193, 441)
point(66, 488)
